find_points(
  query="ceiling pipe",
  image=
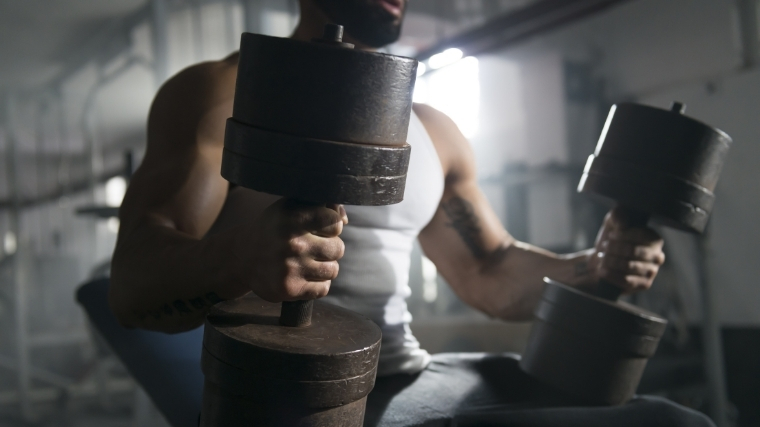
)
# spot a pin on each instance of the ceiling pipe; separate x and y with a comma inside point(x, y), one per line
point(515, 26)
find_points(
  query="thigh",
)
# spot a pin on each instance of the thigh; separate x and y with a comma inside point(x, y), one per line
point(476, 389)
point(642, 411)
point(450, 382)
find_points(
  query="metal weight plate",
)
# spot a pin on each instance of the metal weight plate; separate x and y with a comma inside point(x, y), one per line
point(659, 162)
point(320, 91)
point(589, 347)
point(245, 333)
point(314, 170)
point(617, 316)
point(261, 373)
point(222, 408)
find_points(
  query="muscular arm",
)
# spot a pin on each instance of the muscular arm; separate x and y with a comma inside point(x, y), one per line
point(164, 274)
point(167, 268)
point(487, 267)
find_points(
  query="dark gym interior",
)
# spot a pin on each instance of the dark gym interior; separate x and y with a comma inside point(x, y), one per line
point(529, 83)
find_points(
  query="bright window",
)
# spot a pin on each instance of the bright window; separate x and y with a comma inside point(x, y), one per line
point(455, 90)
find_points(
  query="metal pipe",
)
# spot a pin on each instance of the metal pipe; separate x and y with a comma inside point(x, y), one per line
point(197, 14)
point(18, 267)
point(252, 10)
point(160, 19)
point(230, 35)
point(748, 32)
point(713, 344)
point(38, 373)
point(536, 18)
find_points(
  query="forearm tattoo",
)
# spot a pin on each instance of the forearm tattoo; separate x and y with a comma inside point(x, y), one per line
point(465, 222)
point(183, 307)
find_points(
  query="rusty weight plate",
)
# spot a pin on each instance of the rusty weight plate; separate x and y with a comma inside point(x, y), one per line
point(314, 170)
point(245, 334)
point(659, 162)
point(591, 348)
point(322, 91)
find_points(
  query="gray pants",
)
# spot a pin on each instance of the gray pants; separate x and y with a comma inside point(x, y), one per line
point(476, 389)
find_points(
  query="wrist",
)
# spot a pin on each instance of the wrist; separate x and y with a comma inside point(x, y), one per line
point(581, 268)
point(227, 264)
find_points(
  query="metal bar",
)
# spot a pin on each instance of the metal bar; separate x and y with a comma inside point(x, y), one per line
point(141, 416)
point(63, 174)
point(73, 188)
point(54, 339)
point(537, 18)
point(19, 279)
point(747, 12)
point(75, 391)
point(197, 15)
point(159, 20)
point(713, 343)
point(230, 35)
point(252, 10)
point(38, 373)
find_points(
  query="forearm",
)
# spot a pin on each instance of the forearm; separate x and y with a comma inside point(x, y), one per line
point(165, 280)
point(508, 283)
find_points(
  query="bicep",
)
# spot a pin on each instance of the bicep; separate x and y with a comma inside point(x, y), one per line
point(181, 190)
point(465, 231)
point(179, 184)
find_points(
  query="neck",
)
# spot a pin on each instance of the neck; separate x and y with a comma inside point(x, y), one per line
point(312, 23)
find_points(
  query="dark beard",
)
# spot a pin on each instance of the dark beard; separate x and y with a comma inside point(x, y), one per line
point(364, 20)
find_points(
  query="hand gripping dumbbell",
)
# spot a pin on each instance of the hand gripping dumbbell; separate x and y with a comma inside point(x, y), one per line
point(658, 165)
point(318, 122)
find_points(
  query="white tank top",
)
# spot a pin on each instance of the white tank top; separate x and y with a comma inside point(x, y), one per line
point(374, 272)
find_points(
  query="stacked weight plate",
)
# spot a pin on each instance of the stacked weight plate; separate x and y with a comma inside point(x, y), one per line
point(590, 347)
point(259, 373)
point(320, 122)
point(659, 162)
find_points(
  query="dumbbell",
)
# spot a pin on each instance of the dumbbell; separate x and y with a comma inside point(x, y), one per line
point(317, 122)
point(659, 166)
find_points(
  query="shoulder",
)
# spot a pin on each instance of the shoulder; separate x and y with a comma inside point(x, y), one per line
point(453, 148)
point(196, 97)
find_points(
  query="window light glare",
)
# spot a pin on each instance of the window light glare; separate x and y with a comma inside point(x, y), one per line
point(113, 225)
point(455, 90)
point(421, 68)
point(429, 282)
point(9, 243)
point(115, 189)
point(447, 57)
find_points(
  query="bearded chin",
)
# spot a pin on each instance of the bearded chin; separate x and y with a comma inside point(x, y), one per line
point(367, 23)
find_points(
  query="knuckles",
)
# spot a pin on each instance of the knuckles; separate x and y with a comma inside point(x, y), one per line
point(297, 246)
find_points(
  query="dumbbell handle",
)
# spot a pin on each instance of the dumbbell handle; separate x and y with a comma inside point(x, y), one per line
point(296, 313)
point(605, 289)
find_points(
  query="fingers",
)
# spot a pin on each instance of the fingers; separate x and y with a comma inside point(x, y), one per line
point(311, 264)
point(628, 283)
point(319, 271)
point(626, 266)
point(634, 251)
point(628, 253)
point(310, 246)
point(325, 221)
point(308, 279)
point(340, 209)
point(628, 274)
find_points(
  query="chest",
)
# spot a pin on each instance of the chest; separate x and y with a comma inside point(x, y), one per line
point(422, 195)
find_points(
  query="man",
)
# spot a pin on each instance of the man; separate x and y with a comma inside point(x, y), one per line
point(187, 241)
